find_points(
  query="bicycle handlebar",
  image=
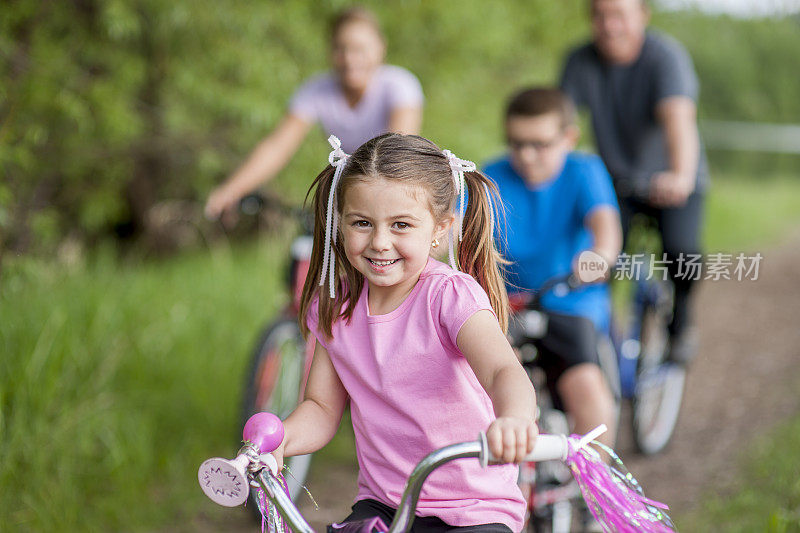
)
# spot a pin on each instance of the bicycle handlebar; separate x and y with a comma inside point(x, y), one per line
point(567, 280)
point(227, 482)
point(255, 203)
point(635, 189)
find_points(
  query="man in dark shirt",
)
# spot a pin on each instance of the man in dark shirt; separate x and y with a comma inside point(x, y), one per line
point(641, 89)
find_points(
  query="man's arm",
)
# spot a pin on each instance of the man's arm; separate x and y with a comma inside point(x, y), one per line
point(266, 160)
point(677, 116)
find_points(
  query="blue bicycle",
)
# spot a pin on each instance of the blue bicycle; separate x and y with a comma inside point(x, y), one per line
point(653, 384)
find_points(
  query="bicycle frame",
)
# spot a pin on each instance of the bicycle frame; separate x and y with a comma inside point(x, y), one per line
point(646, 294)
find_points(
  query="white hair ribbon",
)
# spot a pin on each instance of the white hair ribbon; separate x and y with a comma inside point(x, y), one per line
point(458, 167)
point(338, 160)
point(491, 212)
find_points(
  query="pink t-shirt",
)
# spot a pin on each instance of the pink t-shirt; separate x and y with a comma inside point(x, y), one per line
point(321, 100)
point(412, 391)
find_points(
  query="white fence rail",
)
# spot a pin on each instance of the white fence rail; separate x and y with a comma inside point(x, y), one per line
point(751, 136)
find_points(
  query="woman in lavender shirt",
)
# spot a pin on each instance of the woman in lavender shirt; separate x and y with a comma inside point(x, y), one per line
point(359, 99)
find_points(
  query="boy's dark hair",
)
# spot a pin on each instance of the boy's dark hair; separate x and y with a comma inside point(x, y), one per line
point(537, 101)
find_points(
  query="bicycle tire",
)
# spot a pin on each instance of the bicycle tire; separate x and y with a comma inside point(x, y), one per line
point(659, 385)
point(551, 486)
point(273, 383)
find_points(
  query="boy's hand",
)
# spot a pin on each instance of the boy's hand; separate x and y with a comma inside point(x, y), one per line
point(510, 439)
point(592, 266)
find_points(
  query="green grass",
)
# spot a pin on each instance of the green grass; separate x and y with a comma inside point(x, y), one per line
point(119, 377)
point(767, 491)
point(746, 212)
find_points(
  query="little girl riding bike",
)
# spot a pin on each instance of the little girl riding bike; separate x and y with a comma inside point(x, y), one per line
point(415, 345)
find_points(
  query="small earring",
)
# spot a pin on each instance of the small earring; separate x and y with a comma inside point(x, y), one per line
point(435, 243)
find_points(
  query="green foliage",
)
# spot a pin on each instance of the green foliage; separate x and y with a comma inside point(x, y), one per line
point(105, 101)
point(470, 59)
point(109, 106)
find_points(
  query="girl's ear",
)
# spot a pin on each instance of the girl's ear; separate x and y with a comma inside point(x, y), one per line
point(443, 226)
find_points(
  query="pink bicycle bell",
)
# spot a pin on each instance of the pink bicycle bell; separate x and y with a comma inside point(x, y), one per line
point(264, 431)
point(225, 480)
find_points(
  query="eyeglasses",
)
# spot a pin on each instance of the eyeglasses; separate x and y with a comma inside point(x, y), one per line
point(517, 145)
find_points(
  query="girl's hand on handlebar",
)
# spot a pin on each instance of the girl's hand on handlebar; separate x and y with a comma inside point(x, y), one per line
point(510, 439)
point(277, 453)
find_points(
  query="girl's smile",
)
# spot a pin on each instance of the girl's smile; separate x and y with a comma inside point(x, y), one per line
point(379, 264)
point(387, 229)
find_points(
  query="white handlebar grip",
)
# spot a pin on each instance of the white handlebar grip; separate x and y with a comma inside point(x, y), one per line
point(224, 480)
point(547, 448)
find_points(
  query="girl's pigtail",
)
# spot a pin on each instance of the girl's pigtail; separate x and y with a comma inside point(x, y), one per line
point(320, 188)
point(477, 254)
point(348, 282)
point(329, 308)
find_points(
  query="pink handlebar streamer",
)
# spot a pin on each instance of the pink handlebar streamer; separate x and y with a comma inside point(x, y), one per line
point(613, 495)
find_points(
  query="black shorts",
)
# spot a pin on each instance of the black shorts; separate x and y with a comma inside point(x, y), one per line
point(366, 509)
point(570, 341)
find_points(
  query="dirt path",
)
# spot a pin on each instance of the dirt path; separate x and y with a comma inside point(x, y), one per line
point(745, 380)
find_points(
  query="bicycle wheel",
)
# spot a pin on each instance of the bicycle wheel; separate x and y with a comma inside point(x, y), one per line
point(550, 488)
point(274, 383)
point(659, 385)
point(557, 518)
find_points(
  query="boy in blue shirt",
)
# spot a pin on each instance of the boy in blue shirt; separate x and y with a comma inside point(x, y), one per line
point(560, 205)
